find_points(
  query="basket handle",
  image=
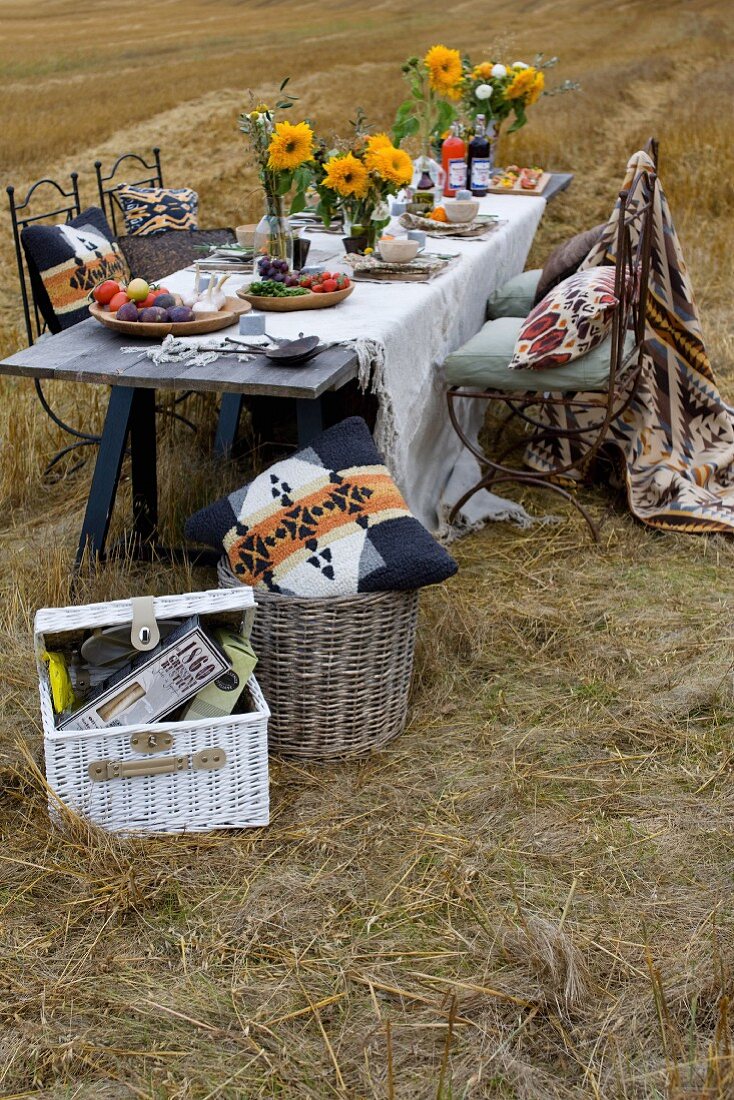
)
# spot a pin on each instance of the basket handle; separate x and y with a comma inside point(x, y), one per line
point(208, 760)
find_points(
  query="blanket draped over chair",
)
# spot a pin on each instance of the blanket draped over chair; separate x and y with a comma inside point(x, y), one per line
point(676, 438)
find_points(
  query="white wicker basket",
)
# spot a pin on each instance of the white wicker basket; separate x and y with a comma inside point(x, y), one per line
point(158, 778)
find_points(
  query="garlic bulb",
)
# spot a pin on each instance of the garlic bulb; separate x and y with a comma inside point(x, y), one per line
point(218, 297)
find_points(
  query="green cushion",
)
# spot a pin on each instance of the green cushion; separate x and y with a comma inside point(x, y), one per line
point(516, 297)
point(483, 361)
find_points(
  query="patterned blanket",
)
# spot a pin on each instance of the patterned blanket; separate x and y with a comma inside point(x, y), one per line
point(676, 439)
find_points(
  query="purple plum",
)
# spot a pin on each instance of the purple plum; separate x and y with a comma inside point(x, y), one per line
point(154, 314)
point(128, 312)
point(180, 314)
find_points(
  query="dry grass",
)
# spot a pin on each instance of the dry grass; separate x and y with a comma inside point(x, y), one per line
point(528, 894)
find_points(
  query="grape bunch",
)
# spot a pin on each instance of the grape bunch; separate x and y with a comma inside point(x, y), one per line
point(276, 271)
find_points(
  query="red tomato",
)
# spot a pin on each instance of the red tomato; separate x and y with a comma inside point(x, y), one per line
point(149, 301)
point(329, 286)
point(160, 290)
point(106, 291)
point(118, 300)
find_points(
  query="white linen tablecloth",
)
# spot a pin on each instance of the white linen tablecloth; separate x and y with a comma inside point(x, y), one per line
point(403, 332)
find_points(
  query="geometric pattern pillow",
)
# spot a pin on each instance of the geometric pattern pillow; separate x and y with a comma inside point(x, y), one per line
point(68, 261)
point(326, 521)
point(572, 319)
point(149, 210)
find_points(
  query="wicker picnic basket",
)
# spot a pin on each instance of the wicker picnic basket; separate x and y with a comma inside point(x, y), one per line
point(165, 777)
point(336, 671)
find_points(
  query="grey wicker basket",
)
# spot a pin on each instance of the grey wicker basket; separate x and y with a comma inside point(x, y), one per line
point(335, 672)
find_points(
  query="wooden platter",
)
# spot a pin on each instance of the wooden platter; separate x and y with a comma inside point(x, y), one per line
point(301, 301)
point(516, 189)
point(205, 322)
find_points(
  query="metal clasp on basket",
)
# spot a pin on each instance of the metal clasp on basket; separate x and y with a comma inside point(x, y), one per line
point(151, 742)
point(144, 632)
point(207, 760)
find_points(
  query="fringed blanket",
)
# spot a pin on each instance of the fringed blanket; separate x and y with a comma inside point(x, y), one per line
point(676, 438)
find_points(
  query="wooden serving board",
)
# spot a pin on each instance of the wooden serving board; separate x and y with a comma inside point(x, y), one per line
point(543, 182)
point(148, 330)
point(301, 301)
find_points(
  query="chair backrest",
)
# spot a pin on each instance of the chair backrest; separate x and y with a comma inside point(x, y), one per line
point(107, 188)
point(632, 267)
point(66, 203)
point(652, 148)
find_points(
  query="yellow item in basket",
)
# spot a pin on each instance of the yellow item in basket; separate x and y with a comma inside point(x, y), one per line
point(62, 693)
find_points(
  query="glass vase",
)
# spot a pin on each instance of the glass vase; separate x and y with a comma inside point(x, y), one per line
point(273, 235)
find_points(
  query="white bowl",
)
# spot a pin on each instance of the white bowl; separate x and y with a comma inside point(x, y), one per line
point(399, 251)
point(461, 210)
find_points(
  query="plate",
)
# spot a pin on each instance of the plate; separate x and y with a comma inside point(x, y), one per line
point(206, 322)
point(301, 301)
point(516, 189)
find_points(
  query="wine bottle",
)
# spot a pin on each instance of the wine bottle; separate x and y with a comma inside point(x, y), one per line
point(478, 159)
point(453, 158)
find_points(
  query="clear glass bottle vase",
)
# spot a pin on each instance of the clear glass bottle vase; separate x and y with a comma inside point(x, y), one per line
point(273, 235)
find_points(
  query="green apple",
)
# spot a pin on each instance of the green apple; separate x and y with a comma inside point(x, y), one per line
point(137, 290)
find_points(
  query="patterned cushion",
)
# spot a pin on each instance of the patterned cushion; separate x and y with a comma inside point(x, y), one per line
point(516, 298)
point(573, 318)
point(149, 210)
point(566, 259)
point(66, 262)
point(327, 521)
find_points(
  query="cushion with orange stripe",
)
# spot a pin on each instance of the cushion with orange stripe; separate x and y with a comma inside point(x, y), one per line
point(326, 521)
point(150, 210)
point(66, 262)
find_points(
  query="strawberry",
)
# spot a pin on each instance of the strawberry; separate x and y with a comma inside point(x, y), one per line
point(330, 285)
point(318, 288)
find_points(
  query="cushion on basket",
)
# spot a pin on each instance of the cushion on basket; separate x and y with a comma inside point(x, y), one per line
point(565, 259)
point(66, 262)
point(483, 364)
point(149, 210)
point(516, 298)
point(571, 320)
point(326, 521)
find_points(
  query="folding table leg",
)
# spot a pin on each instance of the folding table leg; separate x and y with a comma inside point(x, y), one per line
point(143, 468)
point(228, 425)
point(309, 418)
point(106, 472)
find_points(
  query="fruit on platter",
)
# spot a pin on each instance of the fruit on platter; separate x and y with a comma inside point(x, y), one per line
point(142, 301)
point(278, 281)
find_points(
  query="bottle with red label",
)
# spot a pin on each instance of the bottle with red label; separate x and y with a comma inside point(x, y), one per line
point(453, 158)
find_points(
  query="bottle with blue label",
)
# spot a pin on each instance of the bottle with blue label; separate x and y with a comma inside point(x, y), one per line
point(478, 159)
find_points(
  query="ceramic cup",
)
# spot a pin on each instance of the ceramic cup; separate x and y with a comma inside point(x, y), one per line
point(398, 208)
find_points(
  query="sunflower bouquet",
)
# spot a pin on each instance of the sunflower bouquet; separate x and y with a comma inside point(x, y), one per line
point(283, 153)
point(498, 91)
point(356, 181)
point(435, 84)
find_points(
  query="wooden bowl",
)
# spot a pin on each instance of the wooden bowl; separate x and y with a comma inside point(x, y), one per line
point(302, 301)
point(150, 330)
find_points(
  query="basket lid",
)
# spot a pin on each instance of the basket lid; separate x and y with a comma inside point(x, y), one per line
point(114, 612)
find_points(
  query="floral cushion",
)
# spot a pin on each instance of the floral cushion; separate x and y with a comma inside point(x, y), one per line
point(571, 320)
point(326, 521)
point(66, 262)
point(149, 210)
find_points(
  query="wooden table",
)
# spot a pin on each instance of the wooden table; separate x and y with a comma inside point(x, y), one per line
point(90, 353)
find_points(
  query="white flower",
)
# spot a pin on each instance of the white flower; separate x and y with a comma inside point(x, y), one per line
point(484, 91)
point(499, 71)
point(519, 65)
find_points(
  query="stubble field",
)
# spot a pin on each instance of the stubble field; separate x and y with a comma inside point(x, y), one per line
point(528, 895)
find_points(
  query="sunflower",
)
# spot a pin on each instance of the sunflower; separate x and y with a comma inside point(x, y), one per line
point(444, 70)
point(376, 142)
point(483, 71)
point(536, 90)
point(522, 82)
point(347, 176)
point(392, 165)
point(290, 146)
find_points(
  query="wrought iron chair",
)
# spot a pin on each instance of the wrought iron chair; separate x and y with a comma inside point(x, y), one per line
point(545, 415)
point(66, 204)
